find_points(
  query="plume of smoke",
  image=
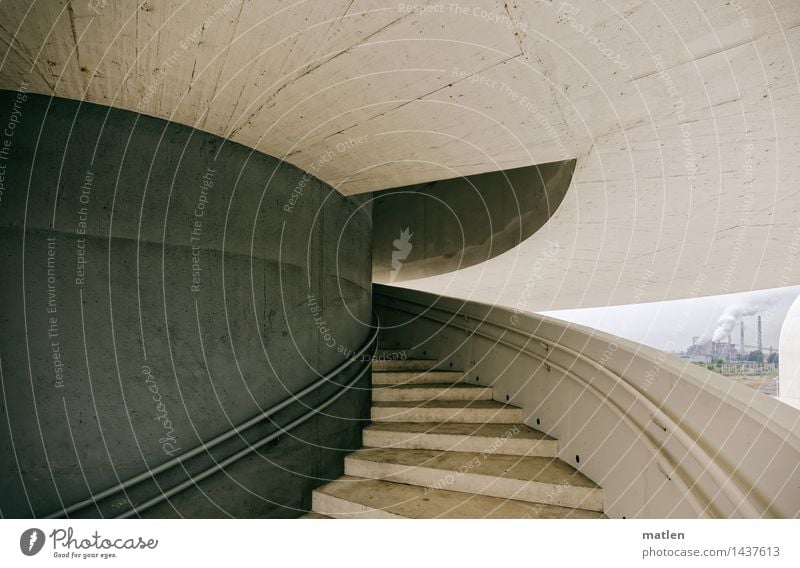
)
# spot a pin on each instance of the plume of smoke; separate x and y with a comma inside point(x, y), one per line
point(734, 313)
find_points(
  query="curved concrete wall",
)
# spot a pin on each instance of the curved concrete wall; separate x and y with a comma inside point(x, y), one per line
point(789, 352)
point(438, 227)
point(156, 293)
point(664, 438)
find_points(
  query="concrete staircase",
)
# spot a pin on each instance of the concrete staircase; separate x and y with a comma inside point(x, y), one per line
point(439, 447)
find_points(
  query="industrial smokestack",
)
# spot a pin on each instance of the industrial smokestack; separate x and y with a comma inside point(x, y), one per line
point(734, 313)
point(760, 344)
point(741, 339)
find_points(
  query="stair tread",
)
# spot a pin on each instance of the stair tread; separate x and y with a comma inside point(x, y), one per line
point(417, 502)
point(537, 469)
point(489, 430)
point(401, 360)
point(483, 464)
point(480, 404)
point(404, 364)
point(395, 377)
point(418, 372)
point(431, 386)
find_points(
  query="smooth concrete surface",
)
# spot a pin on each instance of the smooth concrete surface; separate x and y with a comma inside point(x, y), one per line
point(438, 227)
point(277, 481)
point(789, 352)
point(455, 464)
point(663, 437)
point(420, 392)
point(532, 479)
point(415, 377)
point(466, 411)
point(157, 295)
point(682, 117)
point(509, 439)
point(686, 137)
point(403, 364)
point(390, 354)
point(354, 497)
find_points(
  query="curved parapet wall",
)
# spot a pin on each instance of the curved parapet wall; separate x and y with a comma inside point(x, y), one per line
point(664, 438)
point(162, 285)
point(789, 351)
point(438, 227)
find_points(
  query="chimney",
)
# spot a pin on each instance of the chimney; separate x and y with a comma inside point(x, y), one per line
point(741, 339)
point(760, 345)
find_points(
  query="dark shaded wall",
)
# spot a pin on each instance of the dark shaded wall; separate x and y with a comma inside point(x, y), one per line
point(154, 293)
point(438, 227)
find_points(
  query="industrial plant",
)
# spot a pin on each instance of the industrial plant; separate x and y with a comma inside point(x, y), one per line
point(720, 354)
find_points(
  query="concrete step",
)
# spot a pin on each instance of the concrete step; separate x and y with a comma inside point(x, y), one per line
point(403, 364)
point(533, 479)
point(508, 439)
point(356, 497)
point(437, 391)
point(411, 377)
point(467, 411)
point(398, 352)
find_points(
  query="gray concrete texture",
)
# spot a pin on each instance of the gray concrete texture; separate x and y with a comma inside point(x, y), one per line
point(155, 293)
point(435, 228)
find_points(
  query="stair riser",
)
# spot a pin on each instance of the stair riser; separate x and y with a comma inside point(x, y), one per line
point(465, 415)
point(530, 491)
point(403, 365)
point(415, 377)
point(389, 352)
point(423, 394)
point(343, 509)
point(453, 443)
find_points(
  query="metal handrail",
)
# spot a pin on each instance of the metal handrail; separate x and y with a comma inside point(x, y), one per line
point(204, 447)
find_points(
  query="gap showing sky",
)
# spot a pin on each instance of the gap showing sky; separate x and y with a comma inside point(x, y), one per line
point(671, 325)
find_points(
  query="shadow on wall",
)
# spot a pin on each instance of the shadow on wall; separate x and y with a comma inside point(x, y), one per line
point(167, 285)
point(434, 228)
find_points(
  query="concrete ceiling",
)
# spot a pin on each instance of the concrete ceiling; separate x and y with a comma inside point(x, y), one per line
point(367, 94)
point(691, 185)
point(684, 117)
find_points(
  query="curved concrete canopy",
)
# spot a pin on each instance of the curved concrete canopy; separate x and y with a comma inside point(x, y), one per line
point(438, 227)
point(690, 185)
point(684, 117)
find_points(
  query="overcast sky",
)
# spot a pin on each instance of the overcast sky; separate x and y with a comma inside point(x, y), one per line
point(671, 325)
